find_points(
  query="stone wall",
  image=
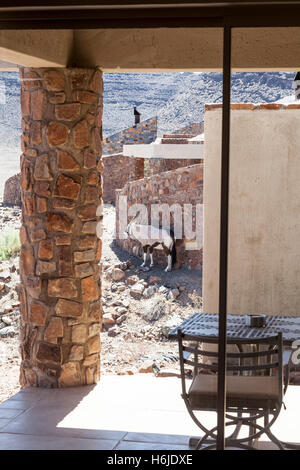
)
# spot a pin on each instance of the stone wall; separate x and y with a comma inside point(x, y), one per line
point(181, 186)
point(155, 166)
point(143, 133)
point(60, 287)
point(160, 165)
point(194, 129)
point(117, 171)
point(12, 191)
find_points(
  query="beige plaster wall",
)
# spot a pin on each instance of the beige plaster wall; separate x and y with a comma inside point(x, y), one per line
point(264, 229)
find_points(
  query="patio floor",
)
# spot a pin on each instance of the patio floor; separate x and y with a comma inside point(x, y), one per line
point(119, 413)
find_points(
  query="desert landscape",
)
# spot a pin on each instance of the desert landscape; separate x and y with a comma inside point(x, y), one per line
point(140, 307)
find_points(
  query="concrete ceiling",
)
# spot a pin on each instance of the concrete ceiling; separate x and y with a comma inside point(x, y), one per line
point(151, 50)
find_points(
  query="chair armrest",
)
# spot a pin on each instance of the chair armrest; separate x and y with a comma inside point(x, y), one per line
point(186, 354)
point(286, 362)
point(287, 354)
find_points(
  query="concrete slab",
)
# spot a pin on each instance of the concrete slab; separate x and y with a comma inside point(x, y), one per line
point(120, 412)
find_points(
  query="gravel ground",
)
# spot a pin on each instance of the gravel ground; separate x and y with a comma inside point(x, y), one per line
point(135, 324)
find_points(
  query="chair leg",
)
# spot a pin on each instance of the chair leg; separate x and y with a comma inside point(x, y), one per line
point(236, 432)
point(270, 434)
point(252, 429)
point(193, 441)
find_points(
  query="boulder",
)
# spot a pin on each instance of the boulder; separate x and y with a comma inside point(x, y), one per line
point(146, 368)
point(173, 294)
point(113, 331)
point(107, 319)
point(163, 290)
point(151, 290)
point(12, 191)
point(121, 319)
point(156, 309)
point(5, 276)
point(137, 290)
point(7, 320)
point(117, 274)
point(124, 265)
point(131, 280)
point(9, 331)
point(154, 280)
point(121, 310)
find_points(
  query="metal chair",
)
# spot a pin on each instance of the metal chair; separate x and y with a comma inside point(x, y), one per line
point(255, 386)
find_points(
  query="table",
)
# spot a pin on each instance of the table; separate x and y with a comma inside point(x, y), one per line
point(206, 324)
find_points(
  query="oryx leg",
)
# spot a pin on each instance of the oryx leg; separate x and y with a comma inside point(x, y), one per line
point(145, 250)
point(168, 253)
point(151, 248)
point(151, 259)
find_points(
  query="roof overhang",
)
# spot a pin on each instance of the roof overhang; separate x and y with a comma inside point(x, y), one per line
point(73, 14)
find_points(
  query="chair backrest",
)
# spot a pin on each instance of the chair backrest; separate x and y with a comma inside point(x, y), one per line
point(263, 355)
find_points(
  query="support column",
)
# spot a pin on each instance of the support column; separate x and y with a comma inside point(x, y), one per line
point(61, 188)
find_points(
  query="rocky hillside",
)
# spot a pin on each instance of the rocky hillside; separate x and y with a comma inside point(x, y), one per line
point(176, 98)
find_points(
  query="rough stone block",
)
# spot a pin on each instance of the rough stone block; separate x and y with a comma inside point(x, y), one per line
point(41, 205)
point(70, 375)
point(93, 345)
point(86, 242)
point(54, 80)
point(41, 169)
point(66, 161)
point(38, 104)
point(48, 353)
point(57, 134)
point(89, 159)
point(67, 187)
point(89, 227)
point(89, 288)
point(54, 330)
point(45, 267)
point(91, 360)
point(81, 135)
point(83, 256)
point(27, 260)
point(83, 270)
point(79, 334)
point(59, 223)
point(88, 212)
point(46, 249)
point(86, 97)
point(63, 240)
point(37, 313)
point(67, 112)
point(76, 353)
point(63, 287)
point(67, 308)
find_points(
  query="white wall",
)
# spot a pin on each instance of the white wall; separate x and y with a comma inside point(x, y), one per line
point(181, 151)
point(264, 228)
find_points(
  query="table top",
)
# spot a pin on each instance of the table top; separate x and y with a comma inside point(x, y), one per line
point(206, 324)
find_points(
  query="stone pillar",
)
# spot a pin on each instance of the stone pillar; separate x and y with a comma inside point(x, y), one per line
point(61, 190)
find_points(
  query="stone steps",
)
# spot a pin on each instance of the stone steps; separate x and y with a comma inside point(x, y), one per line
point(174, 141)
point(177, 136)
